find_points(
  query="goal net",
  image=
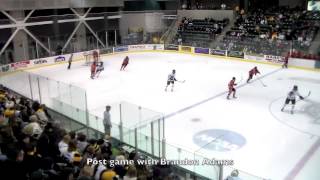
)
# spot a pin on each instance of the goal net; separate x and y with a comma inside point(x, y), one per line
point(89, 57)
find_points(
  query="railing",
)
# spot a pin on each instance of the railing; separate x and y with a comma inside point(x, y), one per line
point(167, 35)
point(261, 47)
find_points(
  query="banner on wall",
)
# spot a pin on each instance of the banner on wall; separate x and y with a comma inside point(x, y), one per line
point(59, 59)
point(171, 47)
point(238, 54)
point(142, 47)
point(121, 49)
point(217, 52)
point(201, 50)
point(20, 64)
point(186, 49)
point(275, 59)
point(155, 46)
point(39, 61)
point(255, 57)
point(138, 47)
point(5, 68)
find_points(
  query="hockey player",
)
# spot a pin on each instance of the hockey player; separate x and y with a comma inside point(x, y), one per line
point(252, 73)
point(99, 68)
point(93, 69)
point(292, 98)
point(125, 62)
point(70, 61)
point(285, 62)
point(95, 56)
point(171, 79)
point(231, 85)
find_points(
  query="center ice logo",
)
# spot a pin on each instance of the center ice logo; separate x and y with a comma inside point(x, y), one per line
point(219, 140)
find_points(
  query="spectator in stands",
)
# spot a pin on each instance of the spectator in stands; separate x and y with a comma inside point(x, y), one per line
point(99, 168)
point(131, 173)
point(64, 144)
point(86, 173)
point(108, 173)
point(121, 170)
point(40, 114)
point(81, 142)
point(107, 120)
point(234, 175)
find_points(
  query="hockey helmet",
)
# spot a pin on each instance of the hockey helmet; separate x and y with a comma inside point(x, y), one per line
point(295, 87)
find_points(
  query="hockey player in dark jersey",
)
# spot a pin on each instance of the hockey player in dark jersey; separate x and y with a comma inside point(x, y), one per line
point(171, 80)
point(124, 64)
point(291, 97)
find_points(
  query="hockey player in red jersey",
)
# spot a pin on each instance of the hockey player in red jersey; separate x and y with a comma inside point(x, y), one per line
point(125, 62)
point(252, 73)
point(95, 56)
point(285, 62)
point(231, 85)
point(93, 69)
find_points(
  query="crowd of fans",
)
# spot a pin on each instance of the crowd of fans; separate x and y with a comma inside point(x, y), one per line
point(276, 31)
point(34, 147)
point(264, 31)
point(207, 4)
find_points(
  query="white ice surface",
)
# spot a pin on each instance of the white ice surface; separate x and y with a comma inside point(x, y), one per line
point(275, 140)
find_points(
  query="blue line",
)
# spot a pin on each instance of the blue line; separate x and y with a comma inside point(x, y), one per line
point(215, 96)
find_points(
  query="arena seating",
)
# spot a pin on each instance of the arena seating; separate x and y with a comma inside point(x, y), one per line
point(199, 31)
point(33, 146)
point(260, 31)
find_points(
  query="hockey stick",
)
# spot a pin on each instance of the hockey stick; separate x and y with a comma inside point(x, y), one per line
point(309, 93)
point(240, 80)
point(181, 81)
point(264, 85)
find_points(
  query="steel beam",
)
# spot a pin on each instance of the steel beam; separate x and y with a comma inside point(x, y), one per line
point(71, 35)
point(21, 24)
point(8, 15)
point(82, 20)
point(9, 40)
point(29, 14)
point(35, 39)
point(94, 34)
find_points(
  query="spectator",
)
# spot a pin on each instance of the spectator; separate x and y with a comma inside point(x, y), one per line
point(108, 173)
point(234, 175)
point(131, 173)
point(64, 144)
point(107, 120)
point(86, 173)
point(81, 143)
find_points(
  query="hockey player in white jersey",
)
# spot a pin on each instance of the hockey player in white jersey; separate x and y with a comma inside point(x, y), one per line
point(171, 80)
point(99, 69)
point(292, 98)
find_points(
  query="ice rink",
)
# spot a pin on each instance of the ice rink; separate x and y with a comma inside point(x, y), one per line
point(251, 130)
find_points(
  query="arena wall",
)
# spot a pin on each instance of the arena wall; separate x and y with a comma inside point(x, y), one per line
point(307, 64)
